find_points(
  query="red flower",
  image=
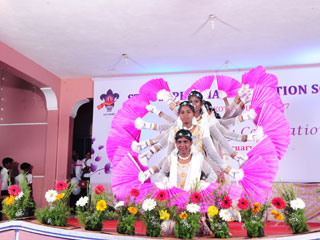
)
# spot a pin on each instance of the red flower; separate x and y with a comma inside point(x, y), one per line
point(99, 189)
point(60, 186)
point(14, 190)
point(161, 195)
point(196, 197)
point(243, 203)
point(134, 192)
point(278, 203)
point(226, 202)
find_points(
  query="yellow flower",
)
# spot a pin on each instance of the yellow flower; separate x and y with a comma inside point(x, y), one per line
point(60, 196)
point(183, 215)
point(9, 200)
point(256, 208)
point(212, 211)
point(164, 215)
point(133, 210)
point(277, 215)
point(101, 205)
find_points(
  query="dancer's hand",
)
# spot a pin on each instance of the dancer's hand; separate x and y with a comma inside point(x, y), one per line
point(237, 174)
point(203, 185)
point(257, 135)
point(222, 94)
point(153, 109)
point(243, 90)
point(143, 158)
point(143, 176)
point(241, 159)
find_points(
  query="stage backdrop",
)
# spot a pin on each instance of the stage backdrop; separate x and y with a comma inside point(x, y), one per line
point(299, 89)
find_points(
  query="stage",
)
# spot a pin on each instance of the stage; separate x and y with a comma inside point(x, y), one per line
point(31, 229)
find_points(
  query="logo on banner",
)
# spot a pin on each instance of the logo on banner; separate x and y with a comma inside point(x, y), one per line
point(109, 99)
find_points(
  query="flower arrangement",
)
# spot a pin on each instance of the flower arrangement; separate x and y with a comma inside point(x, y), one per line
point(252, 215)
point(292, 207)
point(57, 211)
point(128, 213)
point(91, 214)
point(19, 204)
point(220, 213)
point(188, 221)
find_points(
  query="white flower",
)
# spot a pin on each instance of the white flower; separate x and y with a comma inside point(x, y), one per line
point(19, 213)
point(119, 204)
point(193, 208)
point(82, 201)
point(20, 195)
point(225, 214)
point(51, 195)
point(297, 203)
point(149, 204)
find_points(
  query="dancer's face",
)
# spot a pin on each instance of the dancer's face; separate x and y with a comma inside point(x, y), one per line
point(196, 102)
point(184, 146)
point(186, 114)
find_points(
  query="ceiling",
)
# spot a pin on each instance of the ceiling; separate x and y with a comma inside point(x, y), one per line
point(76, 38)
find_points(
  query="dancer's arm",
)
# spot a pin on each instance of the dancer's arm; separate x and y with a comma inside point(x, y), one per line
point(211, 176)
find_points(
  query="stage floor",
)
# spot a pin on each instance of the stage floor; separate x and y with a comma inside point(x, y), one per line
point(32, 229)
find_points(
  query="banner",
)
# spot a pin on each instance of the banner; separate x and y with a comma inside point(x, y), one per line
point(299, 90)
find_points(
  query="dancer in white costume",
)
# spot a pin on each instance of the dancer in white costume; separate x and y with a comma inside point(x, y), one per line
point(201, 141)
point(184, 166)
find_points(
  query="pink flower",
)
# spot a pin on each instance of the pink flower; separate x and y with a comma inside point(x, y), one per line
point(60, 186)
point(99, 189)
point(162, 195)
point(196, 197)
point(226, 202)
point(279, 203)
point(243, 203)
point(134, 192)
point(14, 190)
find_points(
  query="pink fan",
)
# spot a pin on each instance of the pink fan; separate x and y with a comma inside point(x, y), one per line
point(138, 103)
point(118, 137)
point(125, 177)
point(268, 152)
point(152, 87)
point(261, 95)
point(122, 152)
point(257, 179)
point(180, 196)
point(229, 85)
point(200, 85)
point(125, 118)
point(259, 76)
point(276, 126)
point(207, 200)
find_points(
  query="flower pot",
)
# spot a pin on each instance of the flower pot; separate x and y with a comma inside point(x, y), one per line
point(220, 230)
point(153, 230)
point(126, 227)
point(97, 226)
point(254, 229)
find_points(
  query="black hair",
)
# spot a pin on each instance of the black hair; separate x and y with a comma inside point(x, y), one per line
point(183, 133)
point(209, 106)
point(6, 160)
point(25, 167)
point(196, 94)
point(186, 103)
